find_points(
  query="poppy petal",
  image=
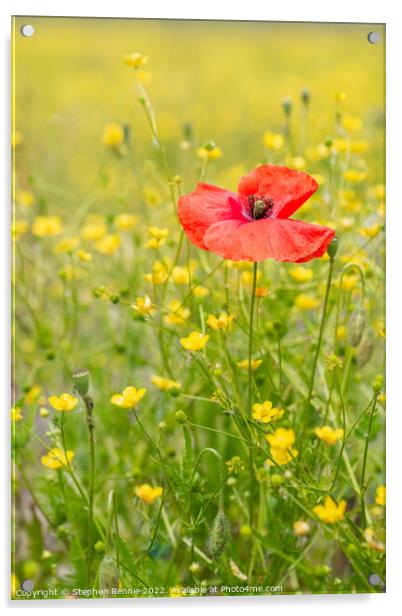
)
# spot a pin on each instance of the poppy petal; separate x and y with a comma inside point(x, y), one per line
point(288, 188)
point(204, 207)
point(268, 238)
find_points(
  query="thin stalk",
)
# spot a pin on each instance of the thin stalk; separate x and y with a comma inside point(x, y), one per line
point(364, 464)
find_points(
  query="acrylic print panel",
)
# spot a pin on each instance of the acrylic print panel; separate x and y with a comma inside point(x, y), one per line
point(198, 239)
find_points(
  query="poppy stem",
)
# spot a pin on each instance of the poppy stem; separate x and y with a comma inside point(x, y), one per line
point(250, 382)
point(320, 334)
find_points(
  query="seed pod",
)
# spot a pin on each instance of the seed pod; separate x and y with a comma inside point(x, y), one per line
point(108, 574)
point(357, 323)
point(365, 350)
point(81, 381)
point(220, 535)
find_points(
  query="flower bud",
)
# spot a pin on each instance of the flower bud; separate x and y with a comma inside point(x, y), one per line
point(305, 96)
point(99, 547)
point(81, 381)
point(333, 247)
point(357, 322)
point(287, 104)
point(220, 535)
point(378, 384)
point(181, 417)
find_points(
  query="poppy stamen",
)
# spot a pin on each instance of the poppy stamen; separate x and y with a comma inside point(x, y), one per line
point(260, 207)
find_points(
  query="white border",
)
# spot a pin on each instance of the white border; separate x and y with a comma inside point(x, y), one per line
point(292, 10)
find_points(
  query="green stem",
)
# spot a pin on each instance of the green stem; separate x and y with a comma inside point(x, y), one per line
point(364, 464)
point(89, 405)
point(321, 332)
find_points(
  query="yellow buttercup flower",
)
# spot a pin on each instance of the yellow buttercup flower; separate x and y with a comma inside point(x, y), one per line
point(135, 59)
point(158, 275)
point(353, 176)
point(65, 402)
point(372, 231)
point(93, 231)
point(125, 221)
point(195, 341)
point(178, 313)
point(164, 384)
point(359, 147)
point(330, 512)
point(265, 412)
point(378, 191)
point(24, 197)
point(380, 496)
point(32, 394)
point(129, 398)
point(244, 363)
point(153, 243)
point(16, 414)
point(143, 305)
point(84, 256)
point(44, 226)
point(341, 332)
point(200, 291)
point(147, 493)
point(332, 361)
point(181, 274)
point(113, 135)
point(223, 321)
point(282, 438)
point(262, 292)
point(66, 245)
point(329, 435)
point(108, 244)
point(158, 233)
point(351, 123)
point(56, 458)
point(210, 153)
point(282, 456)
point(273, 141)
point(19, 227)
point(247, 277)
point(301, 274)
point(306, 302)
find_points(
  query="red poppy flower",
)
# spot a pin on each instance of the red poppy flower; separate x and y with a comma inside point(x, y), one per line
point(254, 224)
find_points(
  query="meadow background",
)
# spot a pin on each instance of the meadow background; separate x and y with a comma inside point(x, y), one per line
point(226, 96)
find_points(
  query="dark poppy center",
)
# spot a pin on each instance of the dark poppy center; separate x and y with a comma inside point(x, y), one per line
point(260, 207)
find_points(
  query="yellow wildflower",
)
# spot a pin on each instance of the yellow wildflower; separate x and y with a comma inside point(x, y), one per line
point(332, 361)
point(158, 275)
point(32, 394)
point(164, 383)
point(380, 495)
point(195, 341)
point(212, 153)
point(19, 227)
point(24, 197)
point(113, 135)
point(84, 256)
point(298, 162)
point(273, 141)
point(372, 231)
point(330, 512)
point(265, 412)
point(378, 191)
point(143, 305)
point(353, 176)
point(43, 412)
point(65, 402)
point(93, 231)
point(125, 221)
point(328, 434)
point(200, 291)
point(282, 456)
point(44, 226)
point(66, 245)
point(129, 398)
point(247, 277)
point(223, 321)
point(351, 123)
point(244, 363)
point(108, 244)
point(282, 438)
point(135, 59)
point(340, 97)
point(178, 314)
point(301, 274)
point(181, 274)
point(262, 292)
point(147, 493)
point(301, 528)
point(16, 414)
point(158, 233)
point(359, 147)
point(56, 458)
point(306, 302)
point(341, 332)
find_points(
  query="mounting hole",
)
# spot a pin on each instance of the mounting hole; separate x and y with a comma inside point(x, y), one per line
point(27, 30)
point(373, 37)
